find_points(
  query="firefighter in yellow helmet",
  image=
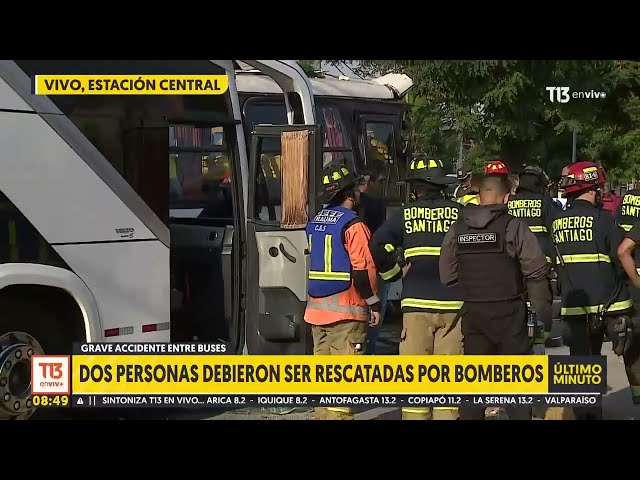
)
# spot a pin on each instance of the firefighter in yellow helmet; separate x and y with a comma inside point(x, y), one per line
point(430, 311)
point(469, 195)
point(342, 284)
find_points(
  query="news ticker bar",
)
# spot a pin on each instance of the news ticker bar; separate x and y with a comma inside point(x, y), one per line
point(226, 401)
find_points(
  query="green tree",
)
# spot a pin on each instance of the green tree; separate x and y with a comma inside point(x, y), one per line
point(505, 106)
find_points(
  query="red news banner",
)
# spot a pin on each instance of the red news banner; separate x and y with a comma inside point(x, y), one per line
point(204, 375)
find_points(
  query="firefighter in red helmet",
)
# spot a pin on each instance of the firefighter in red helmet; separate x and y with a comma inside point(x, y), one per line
point(595, 299)
point(496, 167)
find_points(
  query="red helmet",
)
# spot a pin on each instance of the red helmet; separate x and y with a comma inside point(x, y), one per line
point(497, 166)
point(583, 176)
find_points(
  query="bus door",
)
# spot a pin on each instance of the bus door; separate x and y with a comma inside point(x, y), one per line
point(277, 253)
point(202, 232)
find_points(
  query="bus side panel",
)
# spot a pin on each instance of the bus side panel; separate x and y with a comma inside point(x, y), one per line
point(130, 282)
point(56, 190)
point(10, 100)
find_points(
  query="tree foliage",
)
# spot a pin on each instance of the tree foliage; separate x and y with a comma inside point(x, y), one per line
point(504, 106)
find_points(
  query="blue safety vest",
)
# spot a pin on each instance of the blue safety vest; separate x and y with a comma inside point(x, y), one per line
point(330, 270)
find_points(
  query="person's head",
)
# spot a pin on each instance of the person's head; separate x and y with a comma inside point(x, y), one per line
point(427, 175)
point(426, 189)
point(348, 198)
point(495, 190)
point(534, 179)
point(496, 167)
point(464, 177)
point(340, 187)
point(584, 181)
point(514, 181)
point(363, 184)
point(372, 182)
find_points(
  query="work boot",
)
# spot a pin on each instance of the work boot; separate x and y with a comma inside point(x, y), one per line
point(445, 413)
point(418, 413)
point(339, 413)
point(320, 413)
point(559, 413)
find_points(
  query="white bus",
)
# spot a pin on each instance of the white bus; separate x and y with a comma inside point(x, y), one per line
point(97, 242)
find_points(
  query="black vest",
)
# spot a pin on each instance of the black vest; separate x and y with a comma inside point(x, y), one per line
point(486, 273)
point(426, 222)
point(533, 209)
point(587, 274)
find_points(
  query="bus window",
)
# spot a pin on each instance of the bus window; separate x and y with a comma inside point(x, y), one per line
point(337, 149)
point(199, 170)
point(380, 155)
point(20, 241)
point(265, 111)
point(137, 134)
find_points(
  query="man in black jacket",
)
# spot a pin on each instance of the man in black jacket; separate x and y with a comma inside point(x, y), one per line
point(373, 212)
point(493, 257)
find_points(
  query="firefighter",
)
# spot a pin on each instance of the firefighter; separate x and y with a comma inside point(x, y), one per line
point(490, 255)
point(464, 177)
point(342, 277)
point(496, 167)
point(470, 195)
point(535, 207)
point(537, 210)
point(626, 252)
point(594, 298)
point(430, 312)
point(627, 215)
point(628, 211)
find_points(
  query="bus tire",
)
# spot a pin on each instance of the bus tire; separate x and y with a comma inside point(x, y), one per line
point(27, 328)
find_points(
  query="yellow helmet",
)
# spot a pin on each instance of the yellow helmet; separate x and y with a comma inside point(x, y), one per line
point(336, 179)
point(430, 170)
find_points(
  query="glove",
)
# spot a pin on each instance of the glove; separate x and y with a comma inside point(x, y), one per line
point(541, 301)
point(623, 332)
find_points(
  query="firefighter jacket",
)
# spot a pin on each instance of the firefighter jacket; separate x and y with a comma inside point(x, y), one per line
point(628, 212)
point(342, 275)
point(418, 230)
point(537, 211)
point(628, 215)
point(587, 240)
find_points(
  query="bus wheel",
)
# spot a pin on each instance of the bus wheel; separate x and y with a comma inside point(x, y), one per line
point(16, 350)
point(29, 325)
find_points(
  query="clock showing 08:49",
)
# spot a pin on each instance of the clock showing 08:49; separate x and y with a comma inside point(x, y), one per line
point(48, 401)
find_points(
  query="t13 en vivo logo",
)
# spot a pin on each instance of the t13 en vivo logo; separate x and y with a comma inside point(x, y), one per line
point(50, 375)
